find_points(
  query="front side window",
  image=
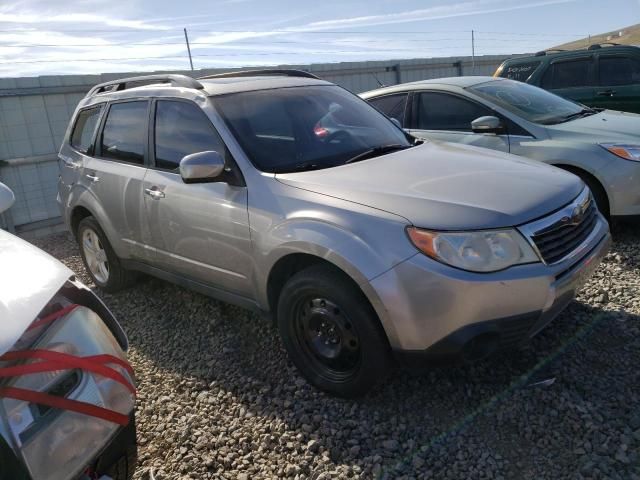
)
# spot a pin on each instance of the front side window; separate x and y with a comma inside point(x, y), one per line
point(619, 71)
point(442, 111)
point(125, 132)
point(568, 74)
point(526, 101)
point(305, 128)
point(393, 106)
point(85, 126)
point(182, 129)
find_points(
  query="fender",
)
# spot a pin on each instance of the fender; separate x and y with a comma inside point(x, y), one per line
point(354, 252)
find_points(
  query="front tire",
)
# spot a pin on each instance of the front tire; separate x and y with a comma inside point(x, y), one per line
point(100, 261)
point(331, 332)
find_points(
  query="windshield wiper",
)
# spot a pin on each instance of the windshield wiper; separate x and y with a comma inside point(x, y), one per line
point(582, 113)
point(377, 151)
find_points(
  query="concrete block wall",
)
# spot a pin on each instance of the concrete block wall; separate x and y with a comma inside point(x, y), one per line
point(35, 112)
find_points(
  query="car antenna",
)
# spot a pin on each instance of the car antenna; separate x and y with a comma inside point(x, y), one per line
point(380, 84)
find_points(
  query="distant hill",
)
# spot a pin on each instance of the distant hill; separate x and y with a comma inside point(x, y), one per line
point(624, 36)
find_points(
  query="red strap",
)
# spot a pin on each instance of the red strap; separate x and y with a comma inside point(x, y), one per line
point(71, 361)
point(55, 315)
point(64, 404)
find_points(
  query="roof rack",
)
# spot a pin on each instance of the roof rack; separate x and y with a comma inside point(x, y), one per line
point(596, 46)
point(125, 83)
point(285, 72)
point(551, 50)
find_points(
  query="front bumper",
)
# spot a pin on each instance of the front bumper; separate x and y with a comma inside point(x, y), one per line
point(439, 311)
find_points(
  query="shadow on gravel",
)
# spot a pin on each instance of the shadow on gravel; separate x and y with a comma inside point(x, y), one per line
point(232, 376)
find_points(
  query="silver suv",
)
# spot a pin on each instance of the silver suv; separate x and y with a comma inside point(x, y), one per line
point(284, 193)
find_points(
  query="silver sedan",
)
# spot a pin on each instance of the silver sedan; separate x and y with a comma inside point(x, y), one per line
point(600, 146)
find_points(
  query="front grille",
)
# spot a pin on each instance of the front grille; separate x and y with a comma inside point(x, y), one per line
point(559, 241)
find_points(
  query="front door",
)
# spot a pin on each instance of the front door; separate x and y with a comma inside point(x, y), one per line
point(572, 79)
point(618, 83)
point(199, 230)
point(447, 117)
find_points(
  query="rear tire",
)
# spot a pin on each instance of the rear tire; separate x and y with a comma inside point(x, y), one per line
point(331, 332)
point(100, 261)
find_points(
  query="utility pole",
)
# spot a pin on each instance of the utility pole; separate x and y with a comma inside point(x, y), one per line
point(473, 52)
point(186, 39)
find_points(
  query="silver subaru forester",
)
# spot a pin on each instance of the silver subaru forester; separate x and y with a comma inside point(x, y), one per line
point(284, 193)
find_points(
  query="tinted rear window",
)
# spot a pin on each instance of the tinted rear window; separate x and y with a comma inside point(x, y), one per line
point(393, 106)
point(521, 71)
point(619, 71)
point(125, 132)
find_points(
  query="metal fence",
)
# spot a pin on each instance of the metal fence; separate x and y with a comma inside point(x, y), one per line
point(35, 111)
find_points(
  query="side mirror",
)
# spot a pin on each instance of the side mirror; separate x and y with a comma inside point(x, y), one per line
point(395, 121)
point(488, 124)
point(201, 167)
point(6, 198)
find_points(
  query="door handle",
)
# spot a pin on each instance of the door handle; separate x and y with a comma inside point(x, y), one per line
point(606, 93)
point(93, 178)
point(154, 193)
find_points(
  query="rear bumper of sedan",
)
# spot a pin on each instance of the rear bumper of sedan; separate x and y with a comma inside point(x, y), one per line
point(440, 313)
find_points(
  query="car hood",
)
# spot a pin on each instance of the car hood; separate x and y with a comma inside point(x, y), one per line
point(607, 126)
point(447, 186)
point(29, 278)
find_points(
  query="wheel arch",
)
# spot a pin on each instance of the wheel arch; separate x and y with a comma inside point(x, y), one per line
point(293, 262)
point(592, 180)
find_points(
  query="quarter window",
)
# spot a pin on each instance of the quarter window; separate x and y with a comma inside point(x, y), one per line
point(180, 130)
point(393, 106)
point(82, 136)
point(125, 132)
point(574, 73)
point(441, 111)
point(619, 71)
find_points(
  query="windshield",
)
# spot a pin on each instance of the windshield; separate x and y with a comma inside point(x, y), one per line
point(529, 102)
point(306, 128)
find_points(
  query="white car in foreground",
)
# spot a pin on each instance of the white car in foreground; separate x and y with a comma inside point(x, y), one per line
point(67, 393)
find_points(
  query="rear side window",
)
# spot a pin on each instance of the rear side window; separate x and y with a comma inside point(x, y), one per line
point(180, 130)
point(521, 71)
point(441, 111)
point(393, 106)
point(619, 71)
point(572, 73)
point(85, 126)
point(125, 132)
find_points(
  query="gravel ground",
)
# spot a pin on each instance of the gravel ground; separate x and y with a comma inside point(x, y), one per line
point(219, 399)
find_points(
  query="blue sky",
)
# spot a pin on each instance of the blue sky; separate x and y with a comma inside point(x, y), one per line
point(43, 37)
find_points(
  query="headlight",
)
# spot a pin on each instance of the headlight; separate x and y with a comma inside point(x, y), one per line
point(626, 151)
point(59, 444)
point(482, 251)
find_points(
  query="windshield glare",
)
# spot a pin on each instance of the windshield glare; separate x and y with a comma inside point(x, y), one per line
point(305, 128)
point(529, 102)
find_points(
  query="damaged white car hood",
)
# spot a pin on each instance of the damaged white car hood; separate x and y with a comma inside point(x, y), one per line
point(29, 278)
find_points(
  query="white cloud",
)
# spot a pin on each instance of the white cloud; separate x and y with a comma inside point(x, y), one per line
point(475, 7)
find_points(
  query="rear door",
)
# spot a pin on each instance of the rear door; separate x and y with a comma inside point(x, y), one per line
point(114, 176)
point(446, 116)
point(618, 83)
point(572, 78)
point(199, 230)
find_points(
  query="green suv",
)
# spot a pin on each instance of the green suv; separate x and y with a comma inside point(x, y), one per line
point(601, 76)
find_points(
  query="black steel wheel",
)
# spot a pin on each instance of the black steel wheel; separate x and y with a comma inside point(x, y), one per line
point(331, 333)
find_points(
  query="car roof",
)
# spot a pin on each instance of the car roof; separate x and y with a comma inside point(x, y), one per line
point(461, 82)
point(551, 54)
point(207, 86)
